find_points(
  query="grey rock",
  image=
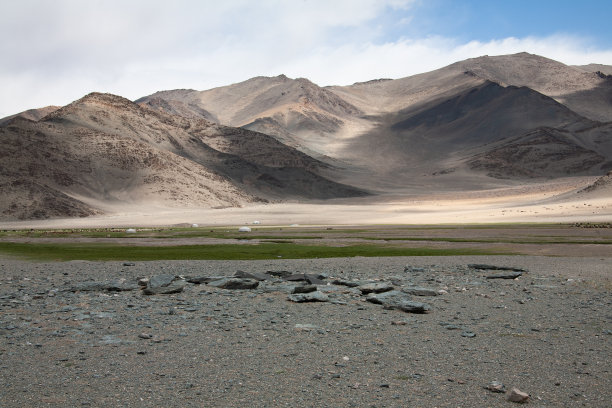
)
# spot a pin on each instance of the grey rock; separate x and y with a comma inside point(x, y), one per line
point(251, 275)
point(118, 285)
point(308, 297)
point(164, 285)
point(279, 274)
point(516, 395)
point(312, 279)
point(343, 282)
point(496, 386)
point(505, 275)
point(197, 280)
point(420, 291)
point(304, 289)
point(467, 333)
point(496, 268)
point(234, 283)
point(129, 264)
point(398, 300)
point(375, 287)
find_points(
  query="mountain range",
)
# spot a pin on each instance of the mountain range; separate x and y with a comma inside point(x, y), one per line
point(479, 123)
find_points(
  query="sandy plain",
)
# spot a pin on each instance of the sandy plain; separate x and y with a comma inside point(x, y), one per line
point(546, 202)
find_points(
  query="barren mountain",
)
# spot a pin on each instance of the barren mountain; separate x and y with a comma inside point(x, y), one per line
point(295, 111)
point(104, 150)
point(602, 69)
point(502, 132)
point(484, 122)
point(587, 93)
point(32, 114)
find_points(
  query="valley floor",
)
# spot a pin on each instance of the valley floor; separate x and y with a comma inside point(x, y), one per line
point(66, 342)
point(552, 202)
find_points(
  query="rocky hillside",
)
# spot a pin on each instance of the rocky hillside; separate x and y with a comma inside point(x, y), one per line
point(103, 150)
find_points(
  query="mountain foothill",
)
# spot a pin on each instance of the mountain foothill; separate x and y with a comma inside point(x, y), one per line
point(481, 123)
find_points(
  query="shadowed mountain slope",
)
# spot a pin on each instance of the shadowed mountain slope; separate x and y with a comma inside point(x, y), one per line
point(103, 150)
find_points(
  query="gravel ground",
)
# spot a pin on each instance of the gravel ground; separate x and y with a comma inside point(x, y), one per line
point(547, 333)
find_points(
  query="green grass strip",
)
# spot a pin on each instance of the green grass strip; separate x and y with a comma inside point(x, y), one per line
point(110, 252)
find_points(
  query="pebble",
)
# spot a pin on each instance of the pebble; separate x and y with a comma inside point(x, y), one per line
point(516, 395)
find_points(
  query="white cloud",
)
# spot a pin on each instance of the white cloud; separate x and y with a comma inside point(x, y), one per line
point(55, 52)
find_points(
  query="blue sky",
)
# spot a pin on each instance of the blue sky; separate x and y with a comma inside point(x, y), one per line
point(486, 20)
point(54, 52)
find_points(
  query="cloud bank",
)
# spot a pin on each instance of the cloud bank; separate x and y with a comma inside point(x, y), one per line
point(55, 52)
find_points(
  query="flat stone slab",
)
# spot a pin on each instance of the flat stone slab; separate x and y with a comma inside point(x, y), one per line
point(118, 285)
point(495, 268)
point(398, 300)
point(419, 291)
point(308, 297)
point(312, 279)
point(375, 287)
point(304, 289)
point(505, 275)
point(198, 280)
point(234, 283)
point(344, 282)
point(164, 285)
point(252, 275)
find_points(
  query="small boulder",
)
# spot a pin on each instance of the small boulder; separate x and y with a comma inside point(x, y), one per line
point(496, 386)
point(420, 291)
point(164, 285)
point(505, 275)
point(234, 283)
point(516, 395)
point(375, 287)
point(315, 296)
point(304, 289)
point(251, 275)
point(398, 300)
point(495, 268)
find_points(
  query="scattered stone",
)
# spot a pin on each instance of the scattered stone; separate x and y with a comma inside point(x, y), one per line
point(375, 287)
point(304, 289)
point(315, 296)
point(129, 264)
point(413, 269)
point(516, 395)
point(234, 283)
point(507, 275)
point(495, 268)
point(420, 291)
point(198, 280)
point(119, 285)
point(312, 279)
point(145, 336)
point(251, 275)
point(398, 300)
point(164, 285)
point(343, 282)
point(450, 326)
point(279, 274)
point(306, 327)
point(496, 386)
point(467, 333)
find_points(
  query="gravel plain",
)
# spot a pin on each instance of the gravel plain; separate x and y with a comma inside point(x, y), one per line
point(65, 342)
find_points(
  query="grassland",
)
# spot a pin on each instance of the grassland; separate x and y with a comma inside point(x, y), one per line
point(307, 242)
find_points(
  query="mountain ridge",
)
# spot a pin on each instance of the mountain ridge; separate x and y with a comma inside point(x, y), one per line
point(479, 123)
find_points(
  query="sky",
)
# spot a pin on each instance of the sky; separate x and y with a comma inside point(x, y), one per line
point(55, 51)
